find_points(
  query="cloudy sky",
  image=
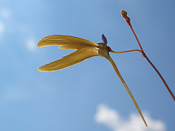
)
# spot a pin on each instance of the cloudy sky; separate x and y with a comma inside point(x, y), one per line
point(87, 96)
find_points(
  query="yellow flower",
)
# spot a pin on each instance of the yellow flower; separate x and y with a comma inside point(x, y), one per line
point(84, 50)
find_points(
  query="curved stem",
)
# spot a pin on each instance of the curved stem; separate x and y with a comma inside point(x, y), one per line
point(126, 87)
point(118, 52)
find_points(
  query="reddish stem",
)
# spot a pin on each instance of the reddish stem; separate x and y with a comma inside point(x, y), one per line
point(127, 19)
point(136, 37)
point(125, 51)
point(160, 77)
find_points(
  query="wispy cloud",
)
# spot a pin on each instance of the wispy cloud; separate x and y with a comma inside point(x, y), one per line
point(9, 25)
point(115, 122)
point(5, 12)
point(13, 94)
point(31, 44)
point(1, 28)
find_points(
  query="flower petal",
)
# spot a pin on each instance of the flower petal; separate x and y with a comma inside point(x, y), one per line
point(65, 42)
point(71, 59)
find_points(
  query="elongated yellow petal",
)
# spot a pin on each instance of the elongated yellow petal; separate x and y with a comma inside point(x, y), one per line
point(71, 59)
point(129, 92)
point(65, 42)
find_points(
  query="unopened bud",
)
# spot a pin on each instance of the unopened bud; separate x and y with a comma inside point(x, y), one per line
point(124, 14)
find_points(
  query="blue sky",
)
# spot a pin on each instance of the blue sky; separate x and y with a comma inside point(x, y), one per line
point(87, 96)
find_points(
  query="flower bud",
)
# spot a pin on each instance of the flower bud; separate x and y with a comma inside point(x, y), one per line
point(124, 14)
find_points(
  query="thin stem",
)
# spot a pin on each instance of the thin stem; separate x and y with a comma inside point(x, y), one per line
point(136, 37)
point(127, 19)
point(160, 77)
point(118, 52)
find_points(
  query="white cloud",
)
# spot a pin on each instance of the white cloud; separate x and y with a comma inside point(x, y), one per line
point(31, 44)
point(115, 122)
